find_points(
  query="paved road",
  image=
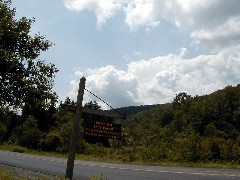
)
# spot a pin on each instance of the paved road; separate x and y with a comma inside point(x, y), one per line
point(85, 169)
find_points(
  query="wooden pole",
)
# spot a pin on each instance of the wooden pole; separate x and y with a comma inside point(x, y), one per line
point(75, 130)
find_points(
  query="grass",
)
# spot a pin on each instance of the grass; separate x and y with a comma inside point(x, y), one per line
point(101, 177)
point(112, 159)
point(8, 174)
point(14, 148)
point(18, 149)
point(5, 174)
point(227, 165)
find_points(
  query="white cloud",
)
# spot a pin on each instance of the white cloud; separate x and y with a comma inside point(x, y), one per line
point(225, 35)
point(104, 9)
point(183, 52)
point(151, 26)
point(213, 24)
point(140, 12)
point(157, 80)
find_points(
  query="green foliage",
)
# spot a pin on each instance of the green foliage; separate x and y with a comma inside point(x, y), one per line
point(18, 149)
point(8, 121)
point(29, 133)
point(26, 133)
point(5, 174)
point(101, 177)
point(92, 105)
point(24, 78)
point(131, 110)
point(51, 141)
point(182, 100)
point(58, 138)
point(191, 129)
point(199, 129)
point(10, 173)
point(3, 130)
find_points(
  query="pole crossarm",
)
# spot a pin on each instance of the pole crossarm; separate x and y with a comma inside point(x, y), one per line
point(97, 112)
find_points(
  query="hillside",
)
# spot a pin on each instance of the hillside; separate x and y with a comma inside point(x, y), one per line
point(130, 110)
point(201, 128)
point(190, 129)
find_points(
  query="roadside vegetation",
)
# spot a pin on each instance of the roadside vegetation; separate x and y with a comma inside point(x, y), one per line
point(6, 174)
point(201, 131)
point(11, 173)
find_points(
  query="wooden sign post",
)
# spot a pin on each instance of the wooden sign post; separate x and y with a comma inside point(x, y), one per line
point(75, 130)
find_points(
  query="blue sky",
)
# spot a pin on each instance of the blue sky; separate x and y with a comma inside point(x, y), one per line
point(136, 52)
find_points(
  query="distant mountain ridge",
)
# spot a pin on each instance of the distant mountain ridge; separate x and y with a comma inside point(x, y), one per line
point(131, 110)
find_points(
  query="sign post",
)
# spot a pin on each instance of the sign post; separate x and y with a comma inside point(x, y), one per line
point(75, 130)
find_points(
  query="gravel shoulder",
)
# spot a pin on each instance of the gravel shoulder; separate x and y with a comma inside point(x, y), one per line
point(21, 173)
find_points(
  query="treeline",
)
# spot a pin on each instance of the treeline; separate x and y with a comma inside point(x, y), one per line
point(46, 129)
point(130, 110)
point(190, 129)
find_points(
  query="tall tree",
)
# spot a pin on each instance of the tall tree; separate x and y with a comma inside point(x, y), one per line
point(93, 105)
point(24, 78)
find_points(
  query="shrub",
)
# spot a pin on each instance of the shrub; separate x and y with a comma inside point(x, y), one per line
point(97, 178)
point(18, 149)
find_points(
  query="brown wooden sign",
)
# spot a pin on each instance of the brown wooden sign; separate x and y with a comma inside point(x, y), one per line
point(96, 126)
point(108, 130)
point(97, 112)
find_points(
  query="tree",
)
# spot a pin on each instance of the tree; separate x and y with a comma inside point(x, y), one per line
point(29, 134)
point(8, 121)
point(69, 101)
point(92, 105)
point(182, 100)
point(24, 79)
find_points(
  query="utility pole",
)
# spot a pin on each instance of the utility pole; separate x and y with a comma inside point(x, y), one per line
point(75, 130)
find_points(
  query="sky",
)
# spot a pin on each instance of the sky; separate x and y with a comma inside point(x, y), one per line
point(138, 52)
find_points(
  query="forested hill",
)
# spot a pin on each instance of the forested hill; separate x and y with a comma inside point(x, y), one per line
point(220, 108)
point(190, 129)
point(130, 110)
point(201, 128)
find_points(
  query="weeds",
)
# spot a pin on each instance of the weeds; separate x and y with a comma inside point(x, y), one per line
point(102, 177)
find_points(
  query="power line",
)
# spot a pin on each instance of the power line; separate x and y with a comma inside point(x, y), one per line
point(105, 102)
point(100, 99)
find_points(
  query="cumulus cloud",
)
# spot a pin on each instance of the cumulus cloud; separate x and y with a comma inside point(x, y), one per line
point(157, 80)
point(104, 9)
point(225, 35)
point(213, 24)
point(141, 12)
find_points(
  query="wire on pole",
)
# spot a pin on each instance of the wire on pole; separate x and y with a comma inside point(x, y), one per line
point(99, 98)
point(103, 101)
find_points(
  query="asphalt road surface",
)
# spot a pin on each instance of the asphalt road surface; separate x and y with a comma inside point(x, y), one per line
point(85, 169)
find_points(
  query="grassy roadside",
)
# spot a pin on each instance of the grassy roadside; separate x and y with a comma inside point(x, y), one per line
point(20, 149)
point(8, 174)
point(5, 174)
point(228, 165)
